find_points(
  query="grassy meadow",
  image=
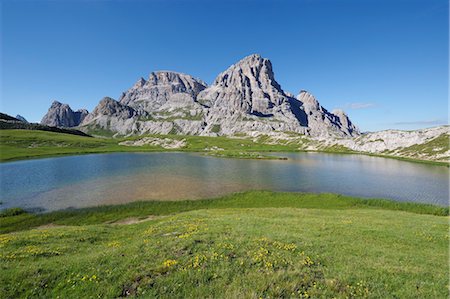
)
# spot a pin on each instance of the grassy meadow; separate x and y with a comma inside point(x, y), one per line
point(246, 245)
point(23, 144)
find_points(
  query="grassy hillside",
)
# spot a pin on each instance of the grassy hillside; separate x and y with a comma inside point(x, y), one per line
point(20, 144)
point(23, 144)
point(8, 122)
point(249, 245)
point(428, 150)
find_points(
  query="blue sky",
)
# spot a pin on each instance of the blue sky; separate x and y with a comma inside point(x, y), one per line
point(385, 62)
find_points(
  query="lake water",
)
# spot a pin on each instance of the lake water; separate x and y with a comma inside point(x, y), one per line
point(89, 180)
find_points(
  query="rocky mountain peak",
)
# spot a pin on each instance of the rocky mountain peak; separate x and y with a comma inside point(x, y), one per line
point(323, 122)
point(110, 107)
point(56, 103)
point(61, 115)
point(339, 112)
point(161, 88)
point(308, 100)
point(246, 87)
point(139, 84)
point(250, 69)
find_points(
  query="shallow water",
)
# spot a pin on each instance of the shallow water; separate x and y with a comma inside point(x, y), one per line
point(89, 180)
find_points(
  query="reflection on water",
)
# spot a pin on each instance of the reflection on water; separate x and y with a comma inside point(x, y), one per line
point(88, 180)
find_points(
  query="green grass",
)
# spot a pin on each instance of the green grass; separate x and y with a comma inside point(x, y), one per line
point(97, 130)
point(247, 245)
point(23, 144)
point(251, 199)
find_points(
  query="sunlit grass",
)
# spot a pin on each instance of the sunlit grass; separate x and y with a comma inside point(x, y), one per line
point(235, 253)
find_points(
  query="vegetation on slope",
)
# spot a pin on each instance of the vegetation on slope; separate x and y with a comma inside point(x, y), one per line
point(250, 245)
point(428, 150)
point(20, 144)
point(23, 144)
point(9, 123)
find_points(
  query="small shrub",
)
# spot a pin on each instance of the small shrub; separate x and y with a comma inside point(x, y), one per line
point(215, 129)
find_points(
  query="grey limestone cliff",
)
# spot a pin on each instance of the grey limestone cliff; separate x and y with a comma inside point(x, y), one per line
point(61, 115)
point(246, 97)
point(321, 122)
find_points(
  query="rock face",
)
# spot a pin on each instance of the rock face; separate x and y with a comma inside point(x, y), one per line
point(424, 144)
point(321, 122)
point(391, 140)
point(110, 107)
point(243, 99)
point(163, 91)
point(61, 115)
point(110, 115)
point(246, 97)
point(166, 143)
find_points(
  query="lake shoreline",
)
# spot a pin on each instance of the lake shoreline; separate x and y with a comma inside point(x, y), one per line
point(118, 178)
point(247, 155)
point(25, 145)
point(242, 200)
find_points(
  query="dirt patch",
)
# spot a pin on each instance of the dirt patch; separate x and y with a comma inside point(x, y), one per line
point(133, 220)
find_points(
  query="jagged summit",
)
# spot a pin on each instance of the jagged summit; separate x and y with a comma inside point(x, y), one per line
point(323, 122)
point(160, 88)
point(248, 86)
point(110, 107)
point(244, 98)
point(61, 115)
point(56, 103)
point(253, 67)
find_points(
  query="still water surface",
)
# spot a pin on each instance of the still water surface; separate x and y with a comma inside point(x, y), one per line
point(89, 180)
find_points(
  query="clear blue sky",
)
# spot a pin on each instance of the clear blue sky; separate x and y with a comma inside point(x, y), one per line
point(383, 61)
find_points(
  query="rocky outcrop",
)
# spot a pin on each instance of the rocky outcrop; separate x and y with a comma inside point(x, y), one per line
point(112, 116)
point(243, 99)
point(321, 122)
point(111, 107)
point(431, 144)
point(390, 140)
point(166, 143)
point(61, 115)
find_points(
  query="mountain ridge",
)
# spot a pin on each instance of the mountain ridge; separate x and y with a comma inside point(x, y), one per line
point(244, 98)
